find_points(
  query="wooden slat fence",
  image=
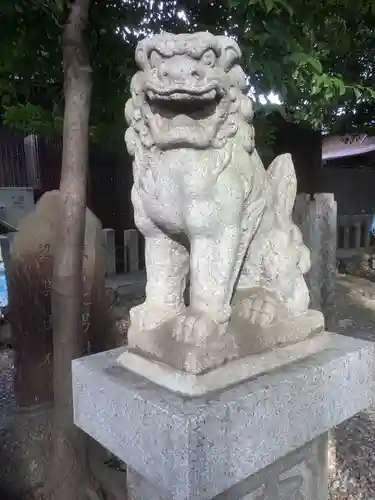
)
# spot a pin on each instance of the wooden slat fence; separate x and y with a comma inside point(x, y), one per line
point(353, 235)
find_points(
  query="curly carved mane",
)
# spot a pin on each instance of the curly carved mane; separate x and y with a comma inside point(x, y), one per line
point(167, 87)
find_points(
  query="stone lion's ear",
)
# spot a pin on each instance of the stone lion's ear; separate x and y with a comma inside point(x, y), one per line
point(129, 112)
point(141, 53)
point(141, 57)
point(154, 59)
point(231, 57)
point(230, 52)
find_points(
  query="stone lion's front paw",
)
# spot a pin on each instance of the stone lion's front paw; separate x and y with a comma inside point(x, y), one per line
point(149, 316)
point(259, 309)
point(196, 329)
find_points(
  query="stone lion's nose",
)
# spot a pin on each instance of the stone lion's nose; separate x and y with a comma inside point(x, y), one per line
point(180, 73)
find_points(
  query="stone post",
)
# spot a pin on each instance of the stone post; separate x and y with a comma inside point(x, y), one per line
point(317, 219)
point(131, 250)
point(110, 251)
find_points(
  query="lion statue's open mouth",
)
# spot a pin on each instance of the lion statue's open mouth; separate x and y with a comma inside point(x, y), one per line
point(178, 108)
point(179, 102)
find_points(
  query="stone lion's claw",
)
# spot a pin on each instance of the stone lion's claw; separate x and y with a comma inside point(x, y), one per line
point(260, 310)
point(196, 329)
point(149, 317)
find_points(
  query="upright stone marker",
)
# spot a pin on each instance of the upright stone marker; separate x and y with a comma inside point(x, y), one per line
point(231, 395)
point(110, 251)
point(317, 219)
point(30, 277)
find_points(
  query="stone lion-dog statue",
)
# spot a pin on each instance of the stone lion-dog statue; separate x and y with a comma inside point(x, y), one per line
point(209, 212)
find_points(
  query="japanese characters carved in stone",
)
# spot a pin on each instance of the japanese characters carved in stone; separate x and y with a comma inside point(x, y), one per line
point(210, 212)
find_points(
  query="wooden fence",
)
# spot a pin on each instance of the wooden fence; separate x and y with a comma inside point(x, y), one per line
point(35, 162)
point(353, 235)
point(130, 255)
point(13, 164)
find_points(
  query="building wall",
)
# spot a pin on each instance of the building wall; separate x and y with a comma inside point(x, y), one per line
point(305, 146)
point(354, 189)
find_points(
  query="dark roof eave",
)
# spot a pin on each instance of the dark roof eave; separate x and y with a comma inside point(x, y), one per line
point(5, 227)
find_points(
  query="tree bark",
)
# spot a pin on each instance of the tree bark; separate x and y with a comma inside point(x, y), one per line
point(71, 478)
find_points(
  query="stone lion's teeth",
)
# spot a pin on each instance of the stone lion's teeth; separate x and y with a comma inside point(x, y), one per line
point(181, 121)
point(211, 94)
point(158, 120)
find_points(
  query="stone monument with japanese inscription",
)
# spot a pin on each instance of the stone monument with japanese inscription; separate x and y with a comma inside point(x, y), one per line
point(230, 393)
point(29, 287)
point(30, 276)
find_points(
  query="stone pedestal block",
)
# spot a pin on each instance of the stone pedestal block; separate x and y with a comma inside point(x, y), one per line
point(299, 475)
point(262, 439)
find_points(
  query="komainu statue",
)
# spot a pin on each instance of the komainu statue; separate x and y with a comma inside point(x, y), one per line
point(210, 213)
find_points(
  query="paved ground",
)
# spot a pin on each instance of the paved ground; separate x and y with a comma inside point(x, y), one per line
point(353, 476)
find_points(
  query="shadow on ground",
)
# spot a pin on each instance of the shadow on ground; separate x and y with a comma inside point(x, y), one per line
point(5, 496)
point(355, 313)
point(354, 476)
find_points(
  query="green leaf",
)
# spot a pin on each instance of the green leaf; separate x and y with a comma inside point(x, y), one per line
point(263, 38)
point(234, 3)
point(357, 93)
point(305, 59)
point(269, 4)
point(287, 7)
point(316, 64)
point(341, 86)
point(60, 5)
point(317, 84)
point(370, 91)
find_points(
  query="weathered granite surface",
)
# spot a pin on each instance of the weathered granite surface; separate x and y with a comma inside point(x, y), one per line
point(208, 209)
point(316, 216)
point(301, 475)
point(226, 375)
point(199, 448)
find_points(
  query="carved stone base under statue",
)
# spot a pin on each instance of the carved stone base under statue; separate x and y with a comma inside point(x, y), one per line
point(262, 439)
point(231, 373)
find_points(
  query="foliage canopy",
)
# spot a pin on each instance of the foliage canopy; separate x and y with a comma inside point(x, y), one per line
point(317, 57)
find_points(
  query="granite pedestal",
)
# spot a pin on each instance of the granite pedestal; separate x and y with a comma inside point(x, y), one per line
point(263, 439)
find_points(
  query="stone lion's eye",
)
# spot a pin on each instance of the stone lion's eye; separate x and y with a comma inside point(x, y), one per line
point(154, 59)
point(209, 58)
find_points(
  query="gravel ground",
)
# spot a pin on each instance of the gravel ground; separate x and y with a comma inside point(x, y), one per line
point(353, 442)
point(7, 400)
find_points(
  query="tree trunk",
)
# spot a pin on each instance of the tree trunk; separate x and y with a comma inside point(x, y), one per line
point(71, 478)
